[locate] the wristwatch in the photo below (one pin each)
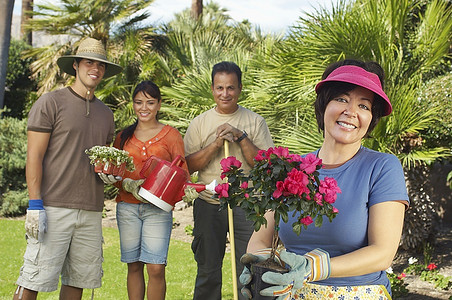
(244, 135)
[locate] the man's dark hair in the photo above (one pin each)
(229, 68)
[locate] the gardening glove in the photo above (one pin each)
(190, 194)
(251, 258)
(36, 220)
(133, 186)
(313, 266)
(108, 178)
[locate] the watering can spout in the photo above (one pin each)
(211, 186)
(201, 187)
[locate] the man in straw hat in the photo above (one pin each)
(64, 219)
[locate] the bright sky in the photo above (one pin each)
(271, 15)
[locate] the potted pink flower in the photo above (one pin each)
(283, 183)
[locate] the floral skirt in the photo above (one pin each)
(363, 292)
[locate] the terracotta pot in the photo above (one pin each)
(257, 284)
(98, 167)
(119, 170)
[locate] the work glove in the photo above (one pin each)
(313, 266)
(108, 178)
(190, 194)
(133, 186)
(36, 220)
(251, 258)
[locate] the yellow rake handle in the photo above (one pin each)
(231, 235)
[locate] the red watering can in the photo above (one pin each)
(165, 184)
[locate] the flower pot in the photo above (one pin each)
(257, 270)
(119, 170)
(108, 168)
(98, 167)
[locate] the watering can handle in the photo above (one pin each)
(177, 161)
(146, 166)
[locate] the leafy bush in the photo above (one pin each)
(13, 146)
(19, 85)
(438, 93)
(14, 202)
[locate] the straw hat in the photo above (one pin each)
(93, 49)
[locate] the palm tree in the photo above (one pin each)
(6, 15)
(194, 46)
(196, 8)
(27, 8)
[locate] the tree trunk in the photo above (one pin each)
(26, 35)
(196, 8)
(6, 16)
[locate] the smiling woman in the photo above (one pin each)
(360, 243)
(348, 116)
(145, 229)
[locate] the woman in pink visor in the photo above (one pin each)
(347, 258)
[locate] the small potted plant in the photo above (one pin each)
(110, 160)
(283, 183)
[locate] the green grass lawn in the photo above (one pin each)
(180, 272)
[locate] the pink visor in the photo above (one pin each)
(358, 76)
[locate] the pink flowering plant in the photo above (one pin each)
(280, 182)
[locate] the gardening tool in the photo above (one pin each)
(166, 181)
(231, 235)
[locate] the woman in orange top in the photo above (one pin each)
(145, 229)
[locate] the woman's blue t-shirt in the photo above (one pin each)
(370, 177)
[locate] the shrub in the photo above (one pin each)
(13, 146)
(19, 85)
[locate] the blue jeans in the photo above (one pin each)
(144, 232)
(209, 244)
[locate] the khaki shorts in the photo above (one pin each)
(72, 248)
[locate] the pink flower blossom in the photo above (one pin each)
(403, 275)
(281, 151)
(261, 155)
(296, 182)
(328, 187)
(294, 157)
(227, 163)
(335, 210)
(319, 198)
(247, 195)
(222, 190)
(244, 185)
(309, 163)
(279, 189)
(306, 220)
(432, 266)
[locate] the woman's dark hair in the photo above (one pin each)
(333, 89)
(149, 89)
